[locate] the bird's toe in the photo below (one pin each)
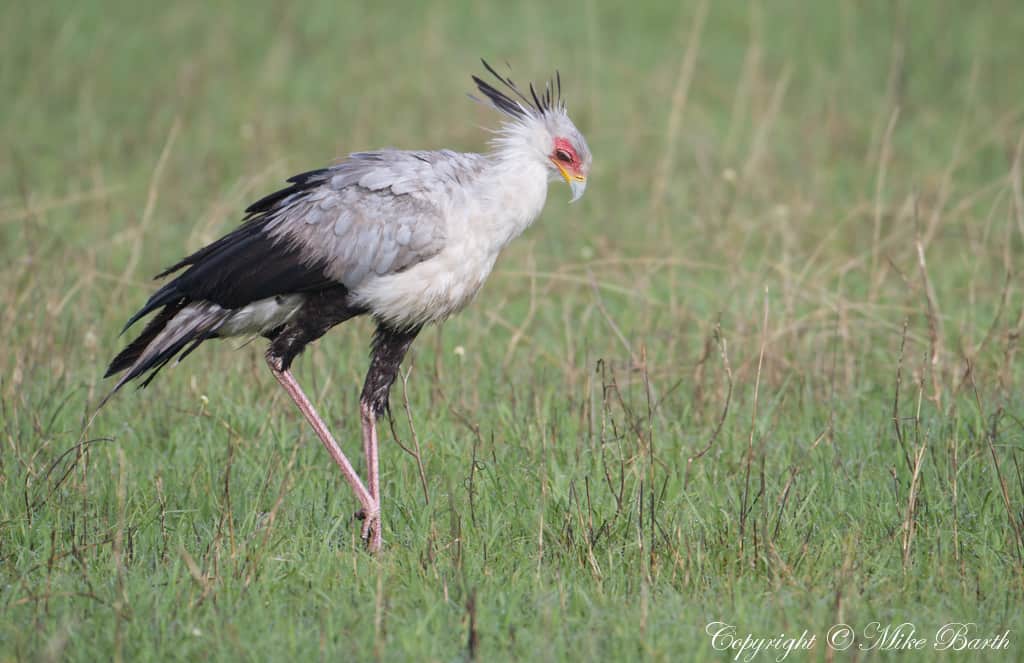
(371, 529)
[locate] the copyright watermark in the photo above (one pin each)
(874, 636)
(746, 647)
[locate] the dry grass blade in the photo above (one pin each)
(724, 352)
(677, 106)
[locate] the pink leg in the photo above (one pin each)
(371, 530)
(371, 508)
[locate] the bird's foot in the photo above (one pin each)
(371, 533)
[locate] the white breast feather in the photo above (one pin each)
(492, 212)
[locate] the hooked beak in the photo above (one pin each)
(578, 186)
(578, 183)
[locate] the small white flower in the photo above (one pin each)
(460, 351)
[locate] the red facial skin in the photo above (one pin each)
(571, 165)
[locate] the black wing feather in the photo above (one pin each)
(247, 264)
(257, 215)
(250, 267)
(301, 182)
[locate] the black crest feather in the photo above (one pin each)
(517, 104)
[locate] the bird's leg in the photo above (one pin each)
(389, 348)
(370, 506)
(370, 446)
(371, 528)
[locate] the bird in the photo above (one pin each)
(407, 237)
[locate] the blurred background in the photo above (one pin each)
(784, 145)
(802, 216)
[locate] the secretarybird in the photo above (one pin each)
(407, 237)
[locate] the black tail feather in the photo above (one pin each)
(141, 356)
(245, 266)
(134, 350)
(196, 342)
(166, 296)
(159, 361)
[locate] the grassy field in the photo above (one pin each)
(765, 373)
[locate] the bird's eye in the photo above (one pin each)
(564, 156)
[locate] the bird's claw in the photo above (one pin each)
(370, 533)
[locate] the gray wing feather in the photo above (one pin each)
(375, 213)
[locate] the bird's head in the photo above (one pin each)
(540, 129)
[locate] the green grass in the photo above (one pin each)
(700, 394)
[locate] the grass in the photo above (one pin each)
(766, 372)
